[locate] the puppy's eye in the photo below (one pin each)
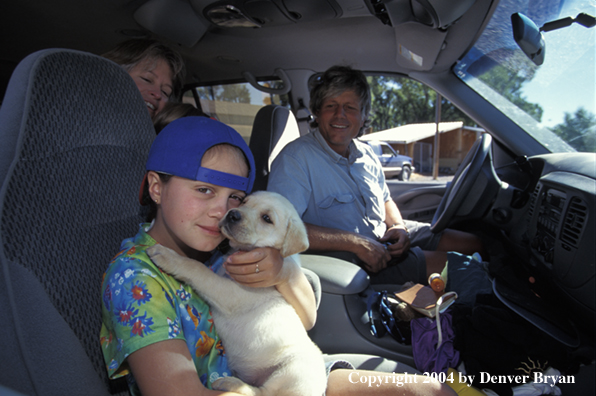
(267, 219)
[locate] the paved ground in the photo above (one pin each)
(419, 177)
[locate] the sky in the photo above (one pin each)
(566, 80)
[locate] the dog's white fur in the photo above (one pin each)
(265, 341)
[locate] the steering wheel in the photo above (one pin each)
(470, 192)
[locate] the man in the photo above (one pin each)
(337, 185)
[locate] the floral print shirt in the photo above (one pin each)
(142, 305)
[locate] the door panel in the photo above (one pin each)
(417, 200)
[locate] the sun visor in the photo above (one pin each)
(438, 14)
(174, 20)
(418, 45)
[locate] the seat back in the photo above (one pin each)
(274, 127)
(74, 136)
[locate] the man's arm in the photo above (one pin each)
(290, 178)
(372, 253)
(397, 233)
(392, 214)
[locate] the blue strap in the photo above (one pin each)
(222, 179)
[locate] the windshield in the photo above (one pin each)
(553, 102)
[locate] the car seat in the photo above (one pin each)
(74, 136)
(273, 127)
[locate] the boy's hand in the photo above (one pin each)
(242, 267)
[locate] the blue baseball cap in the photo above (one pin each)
(179, 148)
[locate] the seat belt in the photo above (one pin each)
(306, 117)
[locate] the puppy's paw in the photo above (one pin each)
(164, 258)
(233, 384)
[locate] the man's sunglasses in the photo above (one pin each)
(381, 318)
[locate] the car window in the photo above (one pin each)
(555, 102)
(398, 101)
(386, 150)
(403, 115)
(234, 104)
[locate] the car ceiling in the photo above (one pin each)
(329, 32)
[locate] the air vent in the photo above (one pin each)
(575, 219)
(533, 200)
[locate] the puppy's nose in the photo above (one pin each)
(233, 216)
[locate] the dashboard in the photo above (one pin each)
(554, 234)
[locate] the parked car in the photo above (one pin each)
(527, 187)
(394, 164)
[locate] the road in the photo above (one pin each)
(419, 177)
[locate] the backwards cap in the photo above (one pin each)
(179, 148)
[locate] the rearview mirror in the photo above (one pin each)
(528, 37)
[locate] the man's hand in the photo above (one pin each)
(374, 254)
(397, 240)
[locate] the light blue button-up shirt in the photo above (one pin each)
(332, 191)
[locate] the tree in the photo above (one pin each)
(399, 101)
(282, 100)
(235, 93)
(383, 102)
(509, 83)
(579, 130)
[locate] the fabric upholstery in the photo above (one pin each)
(315, 283)
(74, 135)
(273, 127)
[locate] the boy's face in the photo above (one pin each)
(189, 211)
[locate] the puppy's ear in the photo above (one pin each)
(296, 239)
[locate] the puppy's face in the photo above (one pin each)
(265, 219)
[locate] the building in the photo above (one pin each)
(417, 141)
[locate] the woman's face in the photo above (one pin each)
(154, 80)
(189, 211)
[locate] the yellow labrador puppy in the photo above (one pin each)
(267, 347)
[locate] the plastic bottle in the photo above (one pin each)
(436, 282)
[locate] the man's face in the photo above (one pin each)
(340, 120)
